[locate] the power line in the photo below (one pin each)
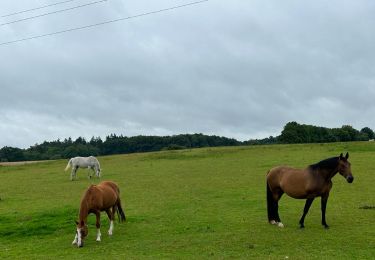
(55, 12)
(102, 23)
(37, 8)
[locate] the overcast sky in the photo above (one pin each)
(235, 68)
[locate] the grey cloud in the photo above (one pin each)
(236, 68)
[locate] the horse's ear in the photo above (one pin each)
(347, 155)
(341, 156)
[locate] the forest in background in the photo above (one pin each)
(119, 144)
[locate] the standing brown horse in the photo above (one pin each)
(314, 181)
(102, 197)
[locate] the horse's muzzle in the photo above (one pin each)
(350, 179)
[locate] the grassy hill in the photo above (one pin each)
(190, 204)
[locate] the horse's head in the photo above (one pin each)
(344, 168)
(81, 233)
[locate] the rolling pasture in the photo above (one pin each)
(191, 204)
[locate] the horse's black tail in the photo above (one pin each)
(270, 203)
(120, 212)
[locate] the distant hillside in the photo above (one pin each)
(114, 144)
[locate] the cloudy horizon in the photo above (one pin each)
(239, 69)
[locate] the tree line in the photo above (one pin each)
(294, 133)
(114, 144)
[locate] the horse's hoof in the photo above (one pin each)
(280, 225)
(273, 222)
(326, 226)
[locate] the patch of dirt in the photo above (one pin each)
(17, 163)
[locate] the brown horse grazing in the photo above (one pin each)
(314, 181)
(102, 197)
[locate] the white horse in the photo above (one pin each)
(83, 162)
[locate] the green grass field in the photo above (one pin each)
(191, 204)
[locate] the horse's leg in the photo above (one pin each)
(111, 216)
(75, 241)
(73, 172)
(89, 172)
(305, 210)
(98, 234)
(270, 205)
(276, 208)
(324, 200)
(273, 206)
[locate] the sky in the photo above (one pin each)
(239, 68)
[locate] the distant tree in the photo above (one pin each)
(292, 133)
(79, 150)
(11, 154)
(80, 140)
(351, 132)
(96, 141)
(296, 133)
(369, 132)
(269, 140)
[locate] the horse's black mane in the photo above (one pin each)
(329, 163)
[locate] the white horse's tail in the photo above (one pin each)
(68, 165)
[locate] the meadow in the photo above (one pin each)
(191, 204)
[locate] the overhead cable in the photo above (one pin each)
(55, 12)
(103, 23)
(37, 8)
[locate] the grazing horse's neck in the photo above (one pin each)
(83, 212)
(85, 206)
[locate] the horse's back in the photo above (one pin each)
(92, 159)
(276, 174)
(110, 192)
(109, 184)
(85, 161)
(79, 161)
(290, 180)
(102, 196)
